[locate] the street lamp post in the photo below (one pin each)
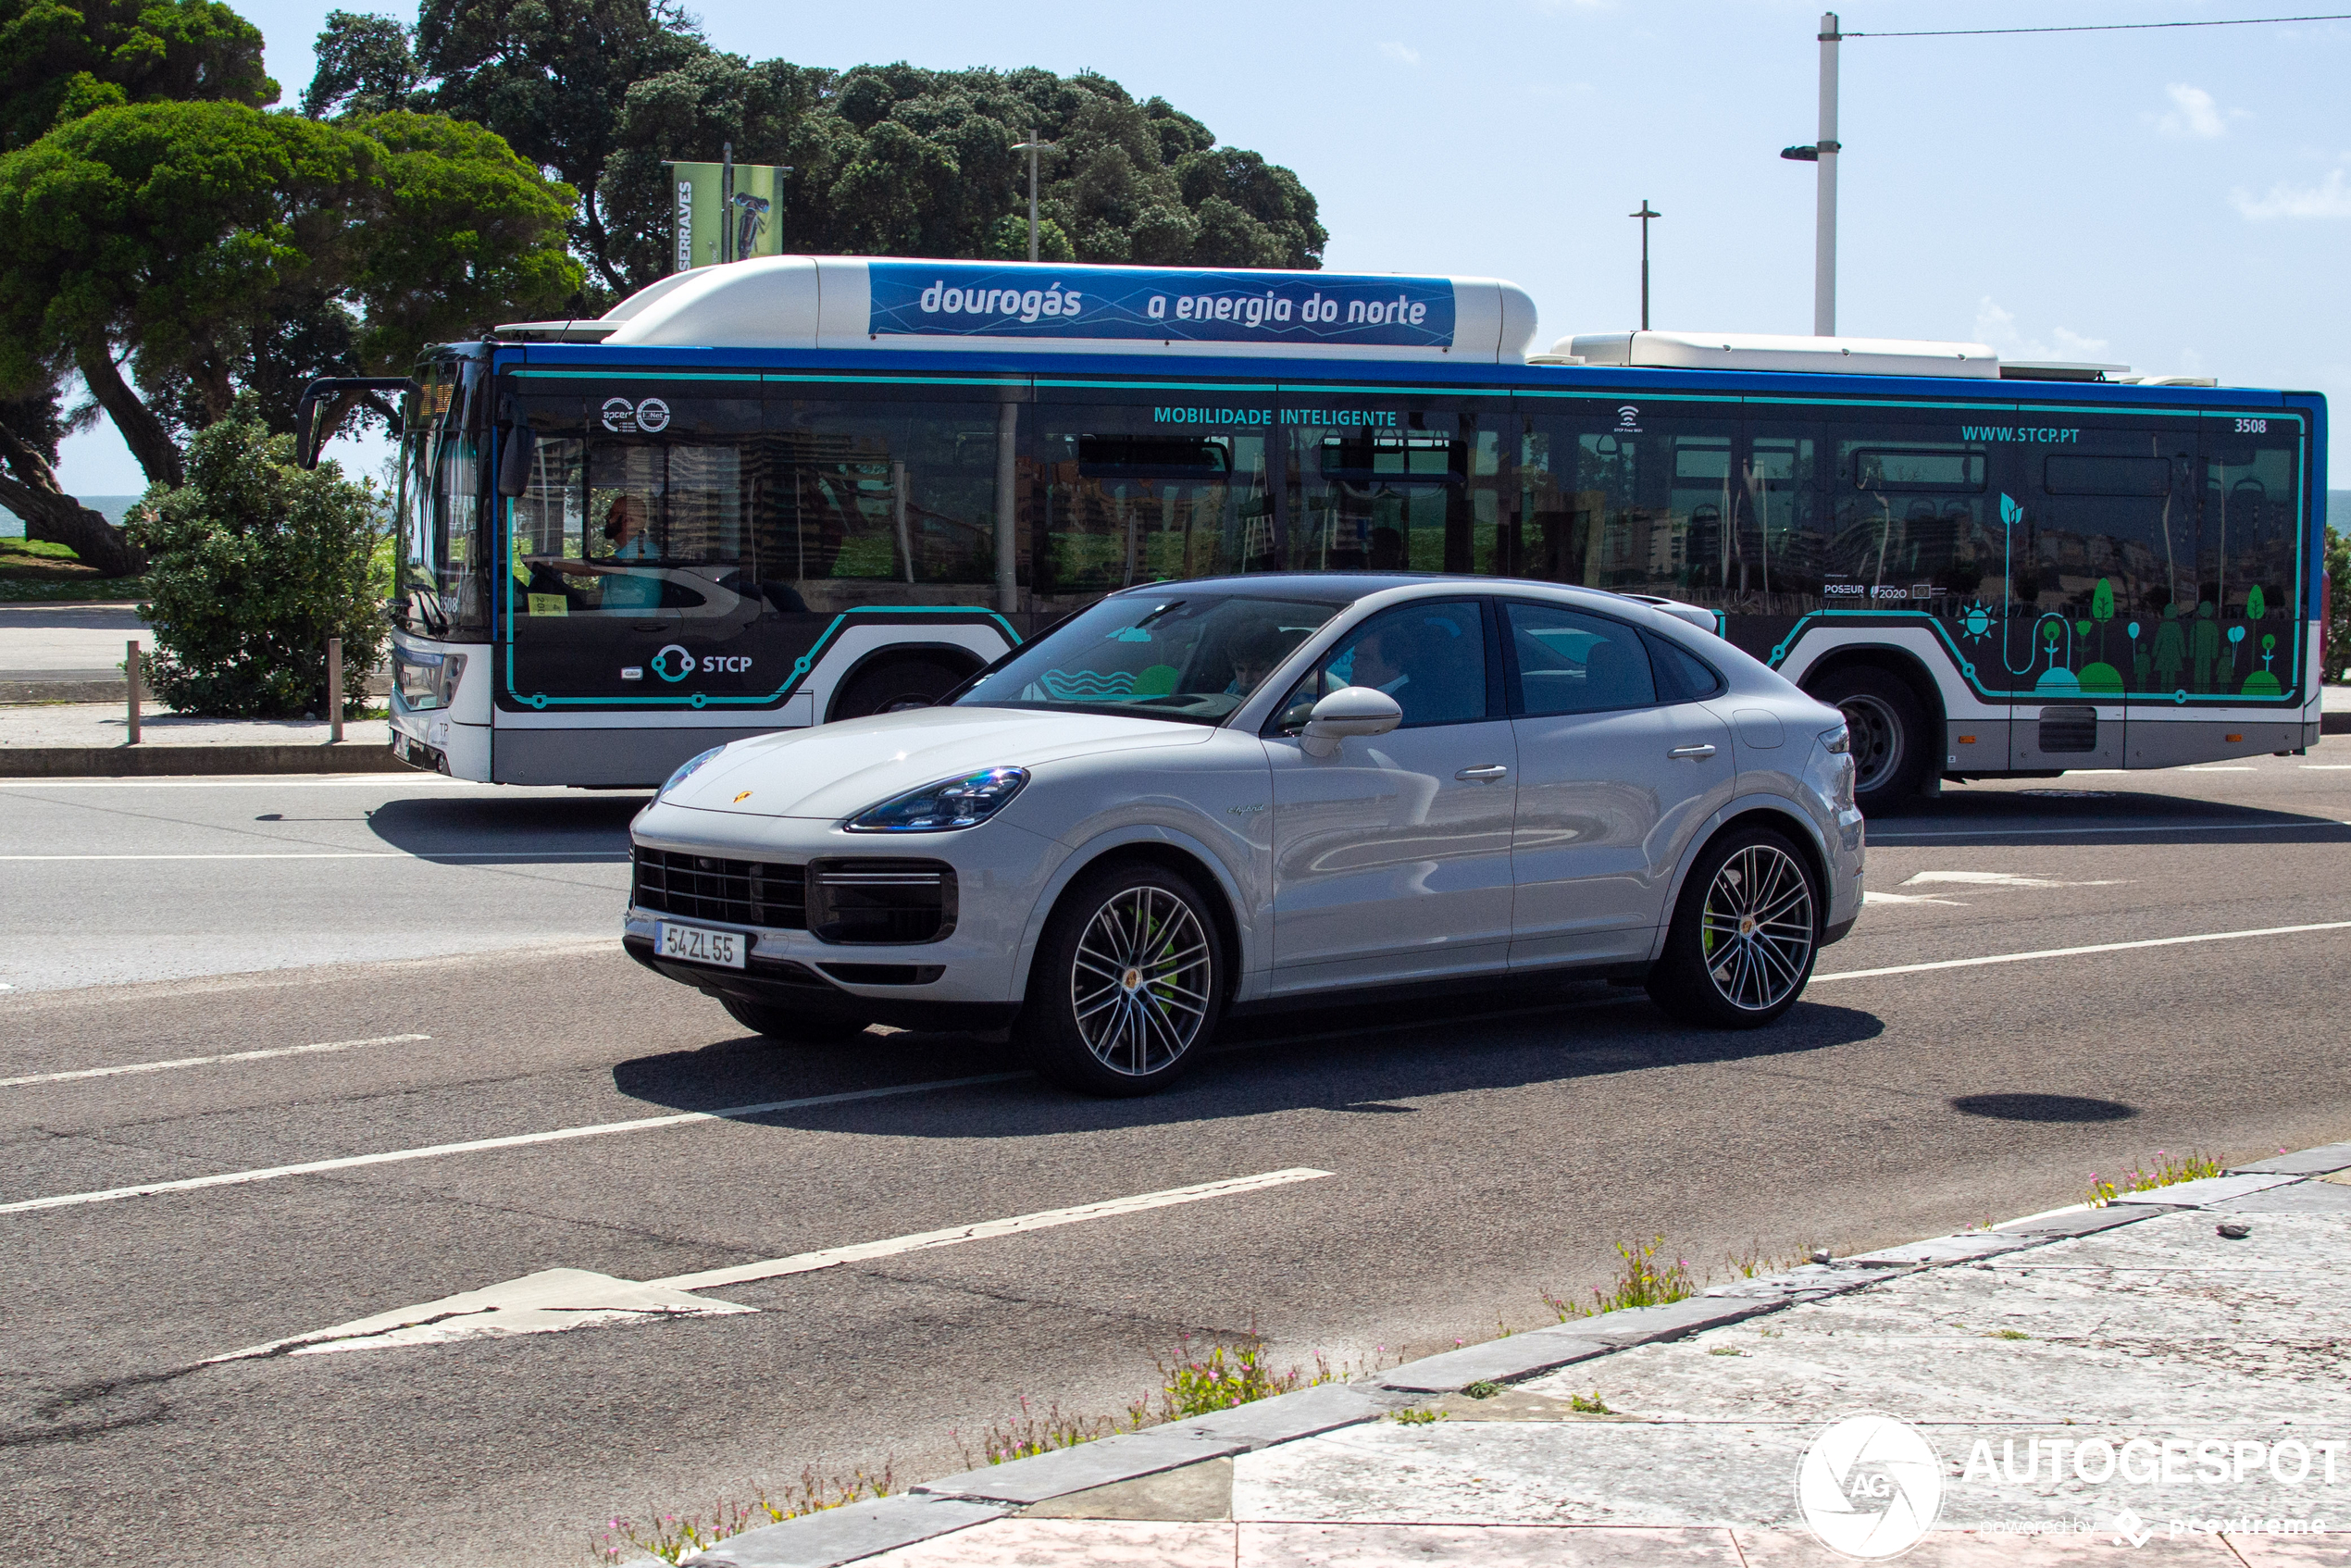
(1645, 214)
(1032, 146)
(1823, 154)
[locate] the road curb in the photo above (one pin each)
(151, 760)
(936, 1507)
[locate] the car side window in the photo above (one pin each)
(1572, 663)
(1430, 656)
(1682, 676)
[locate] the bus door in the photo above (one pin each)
(634, 582)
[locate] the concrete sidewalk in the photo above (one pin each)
(2135, 1381)
(83, 739)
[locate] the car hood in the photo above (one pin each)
(836, 770)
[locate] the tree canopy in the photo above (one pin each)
(60, 60)
(885, 159)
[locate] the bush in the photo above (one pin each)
(253, 565)
(2338, 635)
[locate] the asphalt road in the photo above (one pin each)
(1479, 1156)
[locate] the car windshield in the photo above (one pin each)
(1190, 657)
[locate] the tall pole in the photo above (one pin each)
(1645, 214)
(1825, 234)
(1032, 192)
(726, 202)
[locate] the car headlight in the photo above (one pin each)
(685, 769)
(938, 808)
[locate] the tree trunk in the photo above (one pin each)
(54, 518)
(142, 432)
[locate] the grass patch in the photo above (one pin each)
(1419, 1418)
(1725, 1350)
(1484, 1389)
(670, 1536)
(2162, 1171)
(1588, 1404)
(2007, 1334)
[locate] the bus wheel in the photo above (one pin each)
(1891, 747)
(790, 1025)
(900, 683)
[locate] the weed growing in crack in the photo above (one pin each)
(1588, 1404)
(1641, 1281)
(670, 1536)
(1030, 1434)
(1419, 1418)
(2164, 1171)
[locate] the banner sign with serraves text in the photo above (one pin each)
(704, 215)
(980, 300)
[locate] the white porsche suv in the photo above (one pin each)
(1214, 795)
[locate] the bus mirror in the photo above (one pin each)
(514, 465)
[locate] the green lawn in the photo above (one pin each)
(29, 569)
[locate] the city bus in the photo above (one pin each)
(797, 489)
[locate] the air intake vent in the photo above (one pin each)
(2069, 729)
(701, 887)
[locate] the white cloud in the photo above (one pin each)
(1997, 328)
(1401, 55)
(2328, 198)
(2195, 114)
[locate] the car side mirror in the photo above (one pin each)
(1350, 710)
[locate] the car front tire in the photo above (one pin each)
(1128, 982)
(1745, 933)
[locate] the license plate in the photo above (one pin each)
(699, 944)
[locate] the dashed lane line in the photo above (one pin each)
(480, 1145)
(2077, 951)
(1992, 830)
(206, 1061)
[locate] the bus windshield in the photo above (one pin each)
(1192, 656)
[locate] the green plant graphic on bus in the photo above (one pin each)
(2262, 682)
(2102, 677)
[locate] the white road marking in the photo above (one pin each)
(2222, 768)
(1989, 831)
(2326, 768)
(205, 1061)
(803, 1263)
(514, 1141)
(613, 855)
(2000, 880)
(2080, 952)
(1873, 897)
(290, 781)
(554, 1300)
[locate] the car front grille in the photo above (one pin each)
(703, 887)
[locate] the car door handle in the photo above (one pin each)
(1695, 753)
(1490, 770)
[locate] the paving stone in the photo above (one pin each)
(1203, 1492)
(2301, 1197)
(2306, 1162)
(1486, 1546)
(1031, 1542)
(1288, 1416)
(1082, 1468)
(1497, 1361)
(844, 1535)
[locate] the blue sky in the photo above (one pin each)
(2177, 201)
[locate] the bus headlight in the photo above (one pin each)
(945, 806)
(685, 769)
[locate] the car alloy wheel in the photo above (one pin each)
(1141, 980)
(1756, 927)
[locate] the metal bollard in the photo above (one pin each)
(334, 690)
(131, 679)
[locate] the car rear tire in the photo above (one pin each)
(896, 686)
(1744, 936)
(1128, 982)
(1893, 753)
(791, 1025)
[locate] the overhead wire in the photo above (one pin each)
(2100, 27)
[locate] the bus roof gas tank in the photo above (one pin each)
(1760, 351)
(886, 302)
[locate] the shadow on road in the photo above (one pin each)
(464, 829)
(1364, 1060)
(2071, 1108)
(2062, 813)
